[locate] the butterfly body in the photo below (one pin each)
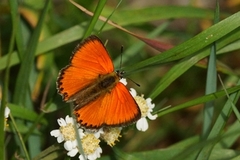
(91, 83)
(99, 87)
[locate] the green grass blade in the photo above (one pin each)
(53, 152)
(211, 84)
(22, 84)
(25, 114)
(229, 141)
(159, 12)
(19, 138)
(197, 101)
(231, 47)
(130, 52)
(193, 45)
(22, 87)
(219, 124)
(3, 102)
(19, 34)
(104, 24)
(94, 19)
(211, 87)
(178, 69)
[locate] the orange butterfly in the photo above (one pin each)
(92, 84)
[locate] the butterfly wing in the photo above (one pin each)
(89, 60)
(116, 108)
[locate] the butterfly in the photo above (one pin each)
(91, 83)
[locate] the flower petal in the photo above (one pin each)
(55, 133)
(123, 81)
(149, 103)
(96, 154)
(152, 117)
(74, 143)
(6, 112)
(61, 122)
(98, 133)
(80, 133)
(68, 145)
(133, 92)
(60, 138)
(69, 119)
(142, 124)
(81, 157)
(73, 152)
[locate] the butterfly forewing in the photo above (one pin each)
(89, 60)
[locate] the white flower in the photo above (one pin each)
(146, 108)
(90, 144)
(66, 133)
(92, 156)
(111, 135)
(89, 140)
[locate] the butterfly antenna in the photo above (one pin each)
(134, 82)
(123, 71)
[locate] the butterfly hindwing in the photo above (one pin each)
(116, 108)
(122, 108)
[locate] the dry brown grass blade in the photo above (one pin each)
(153, 43)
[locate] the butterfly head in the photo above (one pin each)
(120, 73)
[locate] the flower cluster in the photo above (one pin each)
(89, 147)
(89, 140)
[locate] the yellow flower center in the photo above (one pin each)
(68, 132)
(90, 143)
(142, 105)
(111, 135)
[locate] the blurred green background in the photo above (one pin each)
(169, 22)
